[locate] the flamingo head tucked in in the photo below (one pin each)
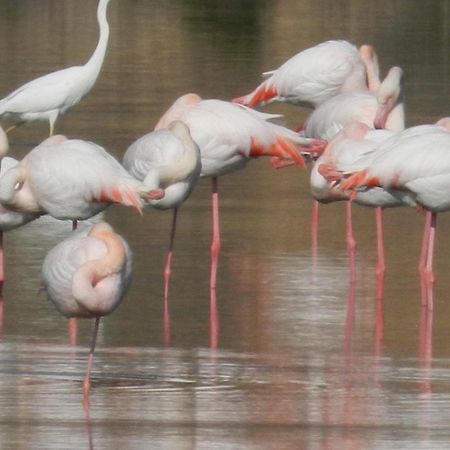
(100, 284)
(15, 192)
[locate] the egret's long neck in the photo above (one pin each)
(96, 60)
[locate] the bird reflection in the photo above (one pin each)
(213, 320)
(2, 302)
(88, 423)
(426, 348)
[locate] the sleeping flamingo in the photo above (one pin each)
(354, 147)
(9, 219)
(69, 179)
(87, 275)
(380, 108)
(316, 74)
(228, 136)
(415, 166)
(48, 96)
(167, 160)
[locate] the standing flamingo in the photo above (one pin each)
(380, 108)
(228, 136)
(87, 275)
(354, 147)
(69, 179)
(167, 160)
(414, 164)
(48, 96)
(317, 74)
(9, 219)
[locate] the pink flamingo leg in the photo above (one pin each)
(423, 257)
(72, 321)
(87, 378)
(215, 250)
(379, 329)
(349, 321)
(2, 303)
(429, 265)
(350, 240)
(72, 330)
(426, 347)
(314, 228)
(381, 264)
(167, 272)
(215, 244)
(380, 272)
(167, 268)
(213, 321)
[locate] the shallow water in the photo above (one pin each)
(295, 356)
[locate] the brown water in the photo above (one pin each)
(299, 360)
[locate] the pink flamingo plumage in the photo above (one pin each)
(229, 135)
(415, 166)
(316, 74)
(381, 107)
(354, 147)
(87, 275)
(70, 179)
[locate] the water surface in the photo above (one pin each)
(296, 358)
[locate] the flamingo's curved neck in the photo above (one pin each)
(190, 160)
(113, 261)
(92, 272)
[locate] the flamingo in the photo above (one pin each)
(70, 179)
(50, 95)
(316, 74)
(86, 276)
(9, 219)
(228, 136)
(414, 165)
(167, 160)
(381, 107)
(354, 147)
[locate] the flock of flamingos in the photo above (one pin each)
(354, 138)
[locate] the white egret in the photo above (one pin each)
(46, 97)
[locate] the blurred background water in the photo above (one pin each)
(300, 359)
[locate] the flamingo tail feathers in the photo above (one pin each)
(359, 179)
(263, 93)
(282, 148)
